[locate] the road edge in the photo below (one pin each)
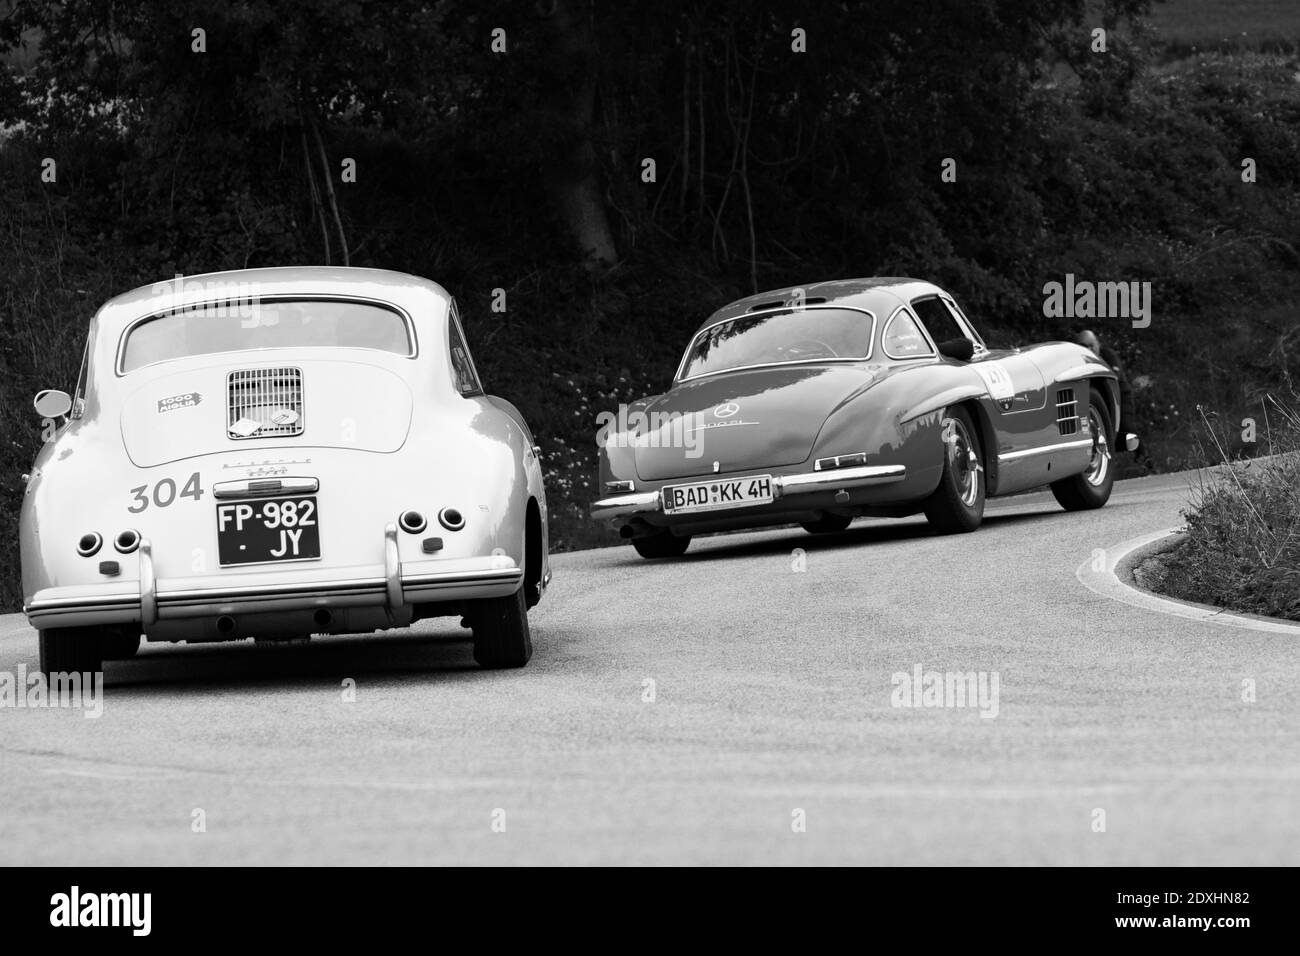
(1114, 579)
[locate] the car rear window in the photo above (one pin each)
(265, 324)
(788, 337)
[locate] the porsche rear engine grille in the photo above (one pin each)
(264, 402)
(1067, 412)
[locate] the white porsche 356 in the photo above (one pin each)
(277, 453)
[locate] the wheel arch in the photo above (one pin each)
(987, 434)
(533, 553)
(1109, 387)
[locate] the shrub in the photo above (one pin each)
(1242, 545)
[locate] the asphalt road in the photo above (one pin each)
(772, 694)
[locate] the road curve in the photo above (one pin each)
(771, 736)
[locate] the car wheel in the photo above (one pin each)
(662, 545)
(1091, 489)
(71, 649)
(957, 505)
(120, 645)
(827, 524)
(501, 635)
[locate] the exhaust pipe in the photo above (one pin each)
(225, 624)
(636, 529)
(323, 618)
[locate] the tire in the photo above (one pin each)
(120, 645)
(957, 505)
(501, 635)
(1091, 489)
(827, 524)
(71, 649)
(665, 544)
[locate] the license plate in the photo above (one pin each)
(267, 529)
(718, 495)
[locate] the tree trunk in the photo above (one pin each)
(573, 178)
(328, 180)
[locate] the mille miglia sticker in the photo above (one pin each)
(188, 400)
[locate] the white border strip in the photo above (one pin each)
(1108, 583)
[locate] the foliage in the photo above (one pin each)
(1241, 549)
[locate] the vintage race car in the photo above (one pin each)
(875, 397)
(276, 453)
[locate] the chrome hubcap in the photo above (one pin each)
(963, 462)
(1099, 466)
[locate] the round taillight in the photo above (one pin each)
(451, 519)
(412, 522)
(127, 541)
(89, 544)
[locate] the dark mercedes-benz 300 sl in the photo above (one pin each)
(863, 397)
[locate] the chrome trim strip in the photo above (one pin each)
(347, 589)
(639, 503)
(148, 585)
(340, 587)
(972, 333)
(1045, 449)
(246, 489)
(858, 477)
(502, 580)
(112, 602)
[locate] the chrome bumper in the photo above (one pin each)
(783, 486)
(393, 584)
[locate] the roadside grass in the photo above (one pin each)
(1241, 550)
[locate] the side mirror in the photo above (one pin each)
(51, 403)
(960, 349)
